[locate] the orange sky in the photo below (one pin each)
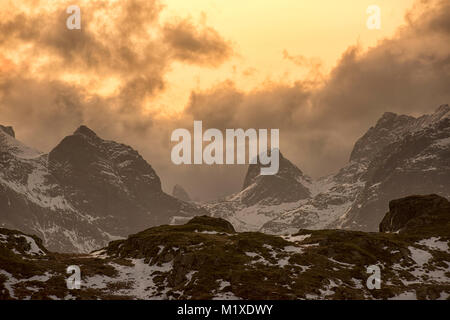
(258, 32)
(261, 30)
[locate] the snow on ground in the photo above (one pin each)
(100, 254)
(435, 244)
(292, 249)
(254, 217)
(420, 256)
(220, 295)
(17, 148)
(409, 295)
(207, 232)
(298, 238)
(139, 277)
(11, 281)
(177, 220)
(3, 238)
(328, 289)
(34, 248)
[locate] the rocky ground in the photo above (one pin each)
(206, 259)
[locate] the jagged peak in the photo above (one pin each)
(388, 115)
(8, 130)
(286, 168)
(392, 119)
(85, 131)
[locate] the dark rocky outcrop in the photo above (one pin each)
(219, 224)
(415, 212)
(9, 130)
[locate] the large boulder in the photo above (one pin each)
(415, 211)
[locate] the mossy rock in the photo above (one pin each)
(218, 223)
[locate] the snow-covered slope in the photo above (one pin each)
(84, 193)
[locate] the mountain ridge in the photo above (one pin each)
(355, 197)
(83, 193)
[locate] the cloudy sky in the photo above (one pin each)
(138, 69)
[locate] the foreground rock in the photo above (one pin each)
(416, 212)
(206, 259)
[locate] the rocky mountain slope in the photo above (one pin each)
(207, 259)
(84, 193)
(263, 197)
(399, 156)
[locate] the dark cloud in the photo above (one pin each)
(204, 46)
(121, 39)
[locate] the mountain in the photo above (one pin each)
(263, 197)
(207, 259)
(88, 191)
(401, 155)
(83, 193)
(413, 160)
(285, 186)
(179, 193)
